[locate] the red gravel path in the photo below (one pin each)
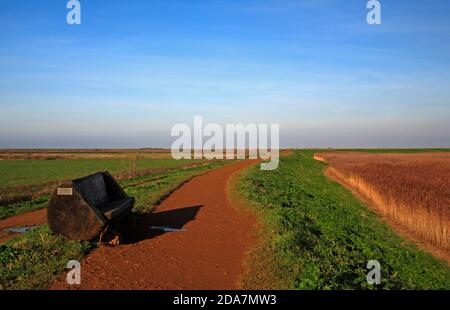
(208, 255)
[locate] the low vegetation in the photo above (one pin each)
(33, 260)
(318, 236)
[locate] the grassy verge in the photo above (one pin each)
(321, 237)
(35, 259)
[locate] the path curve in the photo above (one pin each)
(208, 254)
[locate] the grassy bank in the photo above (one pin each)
(34, 260)
(320, 237)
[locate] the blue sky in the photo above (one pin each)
(132, 69)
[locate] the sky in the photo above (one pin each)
(133, 69)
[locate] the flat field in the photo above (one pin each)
(18, 172)
(25, 184)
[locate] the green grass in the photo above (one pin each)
(321, 237)
(38, 257)
(35, 259)
(23, 207)
(27, 172)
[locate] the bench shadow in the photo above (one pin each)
(173, 218)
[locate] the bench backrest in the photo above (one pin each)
(93, 189)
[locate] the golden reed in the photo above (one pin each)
(412, 190)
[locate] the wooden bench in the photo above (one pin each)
(83, 208)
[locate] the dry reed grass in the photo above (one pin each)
(412, 190)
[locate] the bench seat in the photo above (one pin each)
(112, 209)
(81, 209)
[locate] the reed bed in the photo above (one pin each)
(412, 190)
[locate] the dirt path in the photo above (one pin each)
(208, 254)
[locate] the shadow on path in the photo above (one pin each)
(173, 219)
